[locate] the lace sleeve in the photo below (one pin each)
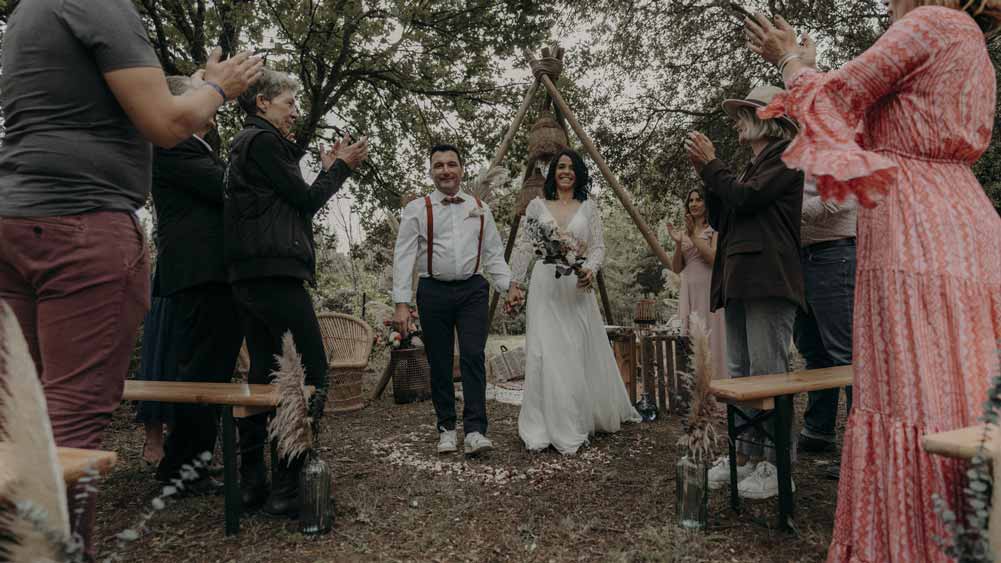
(523, 252)
(596, 239)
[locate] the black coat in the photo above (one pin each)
(757, 216)
(269, 207)
(187, 196)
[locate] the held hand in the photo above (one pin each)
(585, 278)
(234, 74)
(675, 233)
(514, 301)
(401, 319)
(700, 150)
(771, 41)
(354, 154)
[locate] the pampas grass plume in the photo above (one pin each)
(30, 475)
(291, 425)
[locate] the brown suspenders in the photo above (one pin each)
(430, 216)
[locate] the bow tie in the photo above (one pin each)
(451, 200)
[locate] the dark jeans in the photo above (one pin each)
(823, 333)
(79, 286)
(444, 308)
(207, 339)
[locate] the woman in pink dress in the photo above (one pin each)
(694, 253)
(928, 295)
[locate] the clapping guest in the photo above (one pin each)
(204, 335)
(83, 95)
(270, 255)
(756, 275)
(898, 128)
(694, 256)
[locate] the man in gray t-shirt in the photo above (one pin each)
(69, 147)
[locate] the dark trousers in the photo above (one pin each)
(206, 342)
(444, 308)
(823, 333)
(270, 307)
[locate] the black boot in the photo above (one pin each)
(253, 473)
(284, 498)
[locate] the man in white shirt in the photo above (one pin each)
(451, 236)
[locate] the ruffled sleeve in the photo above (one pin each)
(830, 106)
(523, 251)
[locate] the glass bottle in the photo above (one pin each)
(692, 487)
(316, 505)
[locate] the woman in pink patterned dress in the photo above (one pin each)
(928, 295)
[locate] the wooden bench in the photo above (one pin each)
(772, 394)
(965, 443)
(75, 462)
(238, 400)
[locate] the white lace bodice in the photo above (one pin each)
(585, 225)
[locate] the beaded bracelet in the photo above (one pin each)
(217, 88)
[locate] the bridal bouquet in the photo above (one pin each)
(555, 246)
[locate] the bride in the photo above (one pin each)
(572, 383)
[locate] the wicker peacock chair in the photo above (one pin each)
(348, 342)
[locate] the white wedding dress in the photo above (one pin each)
(572, 383)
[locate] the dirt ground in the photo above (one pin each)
(398, 501)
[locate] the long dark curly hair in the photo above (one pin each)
(582, 183)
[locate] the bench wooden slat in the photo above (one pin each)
(235, 394)
(962, 443)
(761, 388)
(75, 462)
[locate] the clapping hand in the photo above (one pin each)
(675, 233)
(234, 74)
(689, 225)
(700, 150)
(352, 154)
(777, 41)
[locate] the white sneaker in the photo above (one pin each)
(477, 443)
(446, 442)
(762, 484)
(719, 473)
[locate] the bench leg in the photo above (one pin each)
(230, 482)
(731, 432)
(781, 420)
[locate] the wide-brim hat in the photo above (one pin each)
(759, 97)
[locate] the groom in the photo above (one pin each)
(451, 236)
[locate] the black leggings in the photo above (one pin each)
(270, 307)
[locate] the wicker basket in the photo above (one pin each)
(546, 138)
(411, 375)
(646, 312)
(531, 188)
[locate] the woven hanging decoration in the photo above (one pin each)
(530, 189)
(546, 138)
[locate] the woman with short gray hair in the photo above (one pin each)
(756, 275)
(268, 213)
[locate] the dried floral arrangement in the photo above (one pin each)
(292, 427)
(700, 438)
